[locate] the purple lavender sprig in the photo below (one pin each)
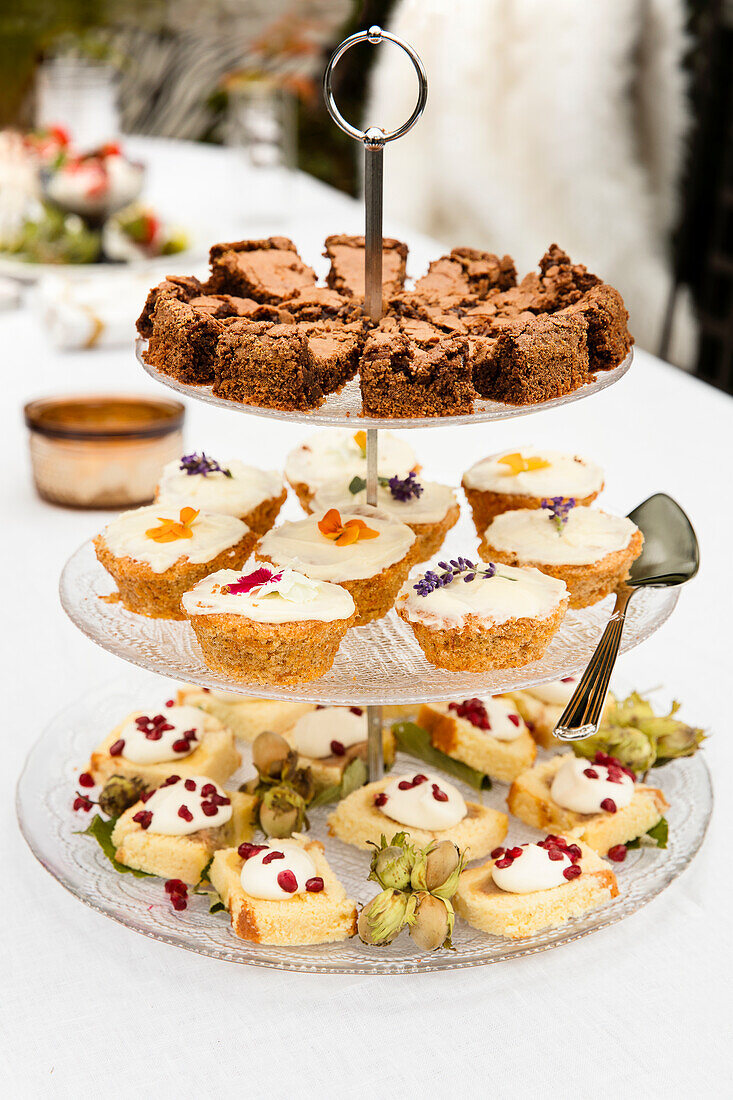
(201, 464)
(559, 508)
(405, 488)
(460, 567)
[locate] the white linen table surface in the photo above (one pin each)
(88, 1008)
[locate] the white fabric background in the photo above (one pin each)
(88, 1008)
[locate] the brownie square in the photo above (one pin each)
(533, 361)
(347, 265)
(266, 365)
(267, 270)
(561, 282)
(401, 378)
(333, 352)
(438, 313)
(181, 287)
(320, 303)
(609, 339)
(466, 273)
(183, 341)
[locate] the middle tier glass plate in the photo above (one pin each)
(378, 663)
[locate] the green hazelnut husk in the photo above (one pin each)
(392, 863)
(674, 739)
(383, 918)
(272, 755)
(282, 812)
(630, 746)
(119, 793)
(432, 925)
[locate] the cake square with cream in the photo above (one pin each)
(487, 734)
(244, 715)
(327, 739)
(542, 706)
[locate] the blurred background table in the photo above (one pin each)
(115, 1006)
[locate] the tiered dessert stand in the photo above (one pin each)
(377, 664)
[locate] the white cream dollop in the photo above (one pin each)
(505, 724)
(237, 495)
(531, 535)
(211, 534)
(142, 746)
(573, 789)
(259, 878)
(165, 804)
(292, 598)
(532, 870)
(557, 693)
(563, 476)
(418, 806)
(326, 455)
(313, 733)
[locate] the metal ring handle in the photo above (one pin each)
(375, 35)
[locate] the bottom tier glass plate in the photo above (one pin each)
(378, 663)
(44, 799)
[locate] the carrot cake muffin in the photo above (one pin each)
(346, 274)
(524, 478)
(175, 740)
(335, 454)
(428, 509)
(362, 549)
(590, 550)
(267, 627)
(327, 739)
(244, 715)
(233, 489)
(474, 618)
(283, 892)
(174, 831)
(155, 554)
(542, 706)
(487, 734)
(426, 806)
(533, 886)
(599, 800)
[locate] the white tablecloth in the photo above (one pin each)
(89, 1008)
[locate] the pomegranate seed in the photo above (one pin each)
(568, 680)
(405, 785)
(591, 773)
(573, 871)
(473, 711)
(153, 734)
(185, 813)
(170, 702)
(190, 735)
(574, 852)
(286, 881)
(555, 839)
(175, 886)
(314, 885)
(497, 853)
(337, 748)
(380, 799)
(146, 795)
(271, 856)
(82, 803)
(246, 850)
(143, 818)
(163, 727)
(143, 720)
(505, 862)
(515, 853)
(207, 790)
(190, 785)
(158, 719)
(181, 745)
(438, 795)
(555, 854)
(86, 780)
(178, 902)
(210, 808)
(358, 712)
(171, 780)
(609, 805)
(418, 779)
(617, 853)
(206, 690)
(514, 718)
(614, 777)
(117, 747)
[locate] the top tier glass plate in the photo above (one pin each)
(344, 408)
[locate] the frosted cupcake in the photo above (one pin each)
(428, 508)
(155, 554)
(232, 489)
(330, 455)
(591, 551)
(363, 550)
(469, 618)
(268, 627)
(524, 478)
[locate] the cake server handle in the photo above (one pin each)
(582, 714)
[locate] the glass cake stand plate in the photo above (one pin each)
(344, 408)
(378, 663)
(51, 828)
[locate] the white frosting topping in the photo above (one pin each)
(211, 535)
(557, 693)
(505, 724)
(292, 598)
(430, 507)
(302, 546)
(577, 788)
(336, 454)
(532, 535)
(215, 492)
(172, 805)
(566, 475)
(152, 741)
(532, 870)
(417, 805)
(260, 879)
(512, 593)
(313, 733)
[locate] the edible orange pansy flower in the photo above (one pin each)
(518, 464)
(171, 529)
(360, 440)
(344, 534)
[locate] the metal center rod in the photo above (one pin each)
(373, 182)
